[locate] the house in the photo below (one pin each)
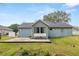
(41, 29)
(6, 31)
(75, 30)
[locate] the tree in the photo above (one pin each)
(57, 16)
(14, 27)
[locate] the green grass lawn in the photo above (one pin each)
(68, 46)
(6, 37)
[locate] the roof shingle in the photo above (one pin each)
(58, 24)
(50, 24)
(25, 25)
(5, 28)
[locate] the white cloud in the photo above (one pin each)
(70, 10)
(46, 10)
(71, 5)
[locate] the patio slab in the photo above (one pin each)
(26, 40)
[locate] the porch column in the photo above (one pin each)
(39, 29)
(32, 32)
(46, 31)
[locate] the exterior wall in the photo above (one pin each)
(75, 32)
(67, 32)
(11, 34)
(4, 32)
(57, 32)
(25, 32)
(40, 24)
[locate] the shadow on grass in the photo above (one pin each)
(55, 38)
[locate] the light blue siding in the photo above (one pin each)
(25, 32)
(59, 32)
(67, 32)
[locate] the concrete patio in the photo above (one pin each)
(26, 40)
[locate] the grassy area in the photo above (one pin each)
(5, 37)
(59, 46)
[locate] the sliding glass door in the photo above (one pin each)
(39, 30)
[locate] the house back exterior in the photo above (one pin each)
(41, 29)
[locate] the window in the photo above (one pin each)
(62, 30)
(42, 30)
(39, 30)
(36, 30)
(50, 28)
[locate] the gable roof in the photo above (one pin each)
(25, 25)
(59, 24)
(49, 24)
(40, 21)
(5, 28)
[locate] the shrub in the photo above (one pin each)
(21, 48)
(47, 54)
(34, 54)
(25, 53)
(37, 52)
(22, 52)
(40, 53)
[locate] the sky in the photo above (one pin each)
(13, 13)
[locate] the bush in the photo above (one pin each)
(47, 54)
(34, 54)
(37, 52)
(25, 53)
(22, 52)
(40, 53)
